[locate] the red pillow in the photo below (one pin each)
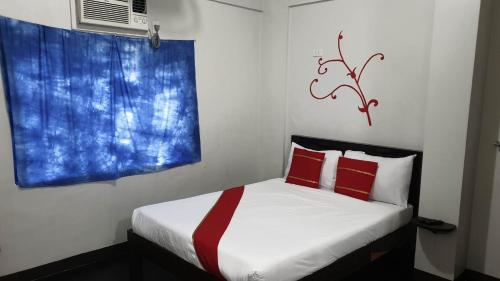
(306, 167)
(355, 177)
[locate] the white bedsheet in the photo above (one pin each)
(279, 231)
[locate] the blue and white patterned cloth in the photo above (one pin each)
(88, 107)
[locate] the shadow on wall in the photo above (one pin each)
(485, 195)
(485, 185)
(121, 230)
(485, 181)
(431, 246)
(176, 17)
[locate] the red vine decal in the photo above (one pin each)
(351, 72)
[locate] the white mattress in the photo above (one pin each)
(278, 232)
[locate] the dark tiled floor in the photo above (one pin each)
(118, 271)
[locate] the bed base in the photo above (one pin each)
(388, 258)
(392, 254)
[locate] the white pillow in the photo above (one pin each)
(392, 183)
(329, 169)
(353, 152)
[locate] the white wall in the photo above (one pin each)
(249, 4)
(274, 60)
(473, 132)
(401, 30)
(484, 245)
(39, 226)
(448, 104)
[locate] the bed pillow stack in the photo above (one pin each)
(328, 170)
(392, 182)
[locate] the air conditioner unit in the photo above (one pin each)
(131, 14)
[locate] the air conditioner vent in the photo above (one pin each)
(102, 11)
(130, 14)
(139, 6)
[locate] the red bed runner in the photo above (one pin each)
(207, 235)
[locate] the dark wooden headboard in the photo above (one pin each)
(325, 144)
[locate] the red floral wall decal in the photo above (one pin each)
(351, 72)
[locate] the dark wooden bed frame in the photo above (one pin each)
(391, 256)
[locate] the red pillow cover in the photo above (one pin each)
(306, 168)
(355, 177)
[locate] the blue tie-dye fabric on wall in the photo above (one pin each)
(88, 107)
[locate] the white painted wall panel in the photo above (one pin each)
(274, 60)
(447, 115)
(250, 4)
(401, 30)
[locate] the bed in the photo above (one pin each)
(366, 236)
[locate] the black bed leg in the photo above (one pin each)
(135, 266)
